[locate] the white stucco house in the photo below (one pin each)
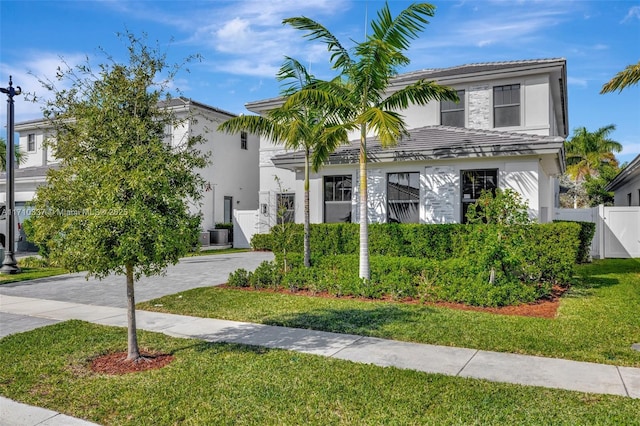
(508, 131)
(626, 185)
(231, 177)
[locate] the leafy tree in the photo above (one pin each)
(628, 77)
(310, 126)
(119, 202)
(588, 152)
(21, 157)
(363, 87)
(505, 207)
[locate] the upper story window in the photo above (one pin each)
(243, 140)
(506, 105)
(403, 197)
(31, 142)
(452, 113)
(629, 199)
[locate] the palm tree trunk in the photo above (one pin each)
(133, 352)
(364, 219)
(307, 230)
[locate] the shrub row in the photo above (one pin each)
(554, 242)
(488, 265)
(455, 280)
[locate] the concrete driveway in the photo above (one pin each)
(190, 272)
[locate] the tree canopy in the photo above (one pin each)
(363, 86)
(312, 127)
(119, 203)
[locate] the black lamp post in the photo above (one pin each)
(9, 265)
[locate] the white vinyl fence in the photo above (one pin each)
(617, 229)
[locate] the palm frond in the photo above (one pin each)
(294, 74)
(388, 126)
(405, 27)
(314, 31)
(419, 93)
(627, 77)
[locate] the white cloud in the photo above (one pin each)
(574, 81)
(630, 149)
(634, 13)
(247, 67)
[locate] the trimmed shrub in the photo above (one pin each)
(587, 231)
(262, 242)
(239, 278)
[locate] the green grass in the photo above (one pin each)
(598, 319)
(234, 384)
(32, 273)
(217, 251)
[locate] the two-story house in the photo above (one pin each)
(507, 131)
(231, 177)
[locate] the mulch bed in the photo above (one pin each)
(544, 308)
(116, 363)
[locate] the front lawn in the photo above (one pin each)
(597, 321)
(235, 384)
(31, 269)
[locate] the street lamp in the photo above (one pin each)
(9, 265)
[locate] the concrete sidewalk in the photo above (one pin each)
(462, 362)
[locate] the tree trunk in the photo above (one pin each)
(307, 230)
(364, 219)
(133, 352)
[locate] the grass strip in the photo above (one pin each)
(235, 384)
(597, 321)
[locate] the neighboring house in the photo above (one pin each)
(626, 186)
(508, 131)
(231, 177)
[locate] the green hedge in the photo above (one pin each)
(488, 265)
(587, 231)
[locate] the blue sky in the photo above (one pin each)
(243, 42)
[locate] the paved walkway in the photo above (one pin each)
(20, 312)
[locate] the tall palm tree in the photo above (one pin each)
(309, 126)
(588, 151)
(366, 74)
(20, 156)
(627, 77)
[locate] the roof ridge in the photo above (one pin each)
(483, 64)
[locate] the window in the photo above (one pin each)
(31, 142)
(286, 208)
(473, 183)
(629, 199)
(243, 140)
(403, 197)
(228, 209)
(506, 105)
(452, 113)
(337, 199)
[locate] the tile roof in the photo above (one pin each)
(481, 67)
(440, 142)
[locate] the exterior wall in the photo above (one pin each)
(440, 198)
(232, 171)
(631, 187)
(536, 106)
(41, 155)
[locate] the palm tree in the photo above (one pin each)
(20, 156)
(364, 82)
(627, 77)
(308, 126)
(588, 151)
